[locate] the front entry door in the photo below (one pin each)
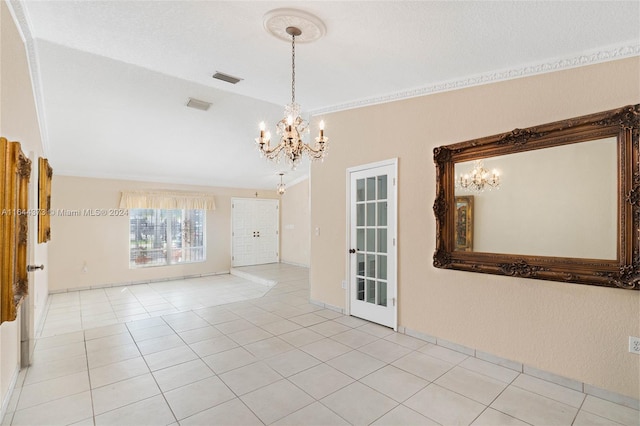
(255, 228)
(372, 213)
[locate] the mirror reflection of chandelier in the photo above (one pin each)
(479, 178)
(292, 127)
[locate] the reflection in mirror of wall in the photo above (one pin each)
(560, 201)
(567, 208)
(464, 223)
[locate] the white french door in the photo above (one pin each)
(372, 242)
(255, 229)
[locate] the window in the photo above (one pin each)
(166, 237)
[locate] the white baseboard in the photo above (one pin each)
(585, 388)
(327, 306)
(251, 277)
(9, 395)
(302, 265)
(155, 280)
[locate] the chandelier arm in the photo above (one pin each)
(314, 152)
(271, 152)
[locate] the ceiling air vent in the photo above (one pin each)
(226, 77)
(198, 104)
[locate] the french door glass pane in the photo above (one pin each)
(360, 294)
(371, 214)
(371, 265)
(360, 215)
(371, 188)
(360, 190)
(382, 213)
(382, 267)
(360, 239)
(382, 240)
(382, 187)
(371, 291)
(382, 293)
(360, 264)
(371, 240)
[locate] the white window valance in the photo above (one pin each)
(166, 200)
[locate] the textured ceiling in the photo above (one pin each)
(113, 77)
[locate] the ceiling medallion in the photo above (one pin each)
(277, 21)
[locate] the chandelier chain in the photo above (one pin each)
(292, 128)
(293, 69)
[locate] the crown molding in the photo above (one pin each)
(594, 57)
(297, 180)
(159, 179)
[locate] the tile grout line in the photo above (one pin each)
(354, 379)
(579, 409)
(151, 373)
(292, 303)
(202, 360)
(263, 360)
(214, 373)
(86, 354)
(498, 396)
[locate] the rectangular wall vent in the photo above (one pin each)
(198, 104)
(226, 77)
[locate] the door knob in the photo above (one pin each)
(31, 268)
(352, 251)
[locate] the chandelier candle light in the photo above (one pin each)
(292, 127)
(479, 179)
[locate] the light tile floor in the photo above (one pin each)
(225, 351)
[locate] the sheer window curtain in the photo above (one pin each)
(171, 200)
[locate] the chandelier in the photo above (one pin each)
(292, 127)
(281, 186)
(479, 179)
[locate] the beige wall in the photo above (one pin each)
(19, 122)
(294, 224)
(576, 331)
(101, 243)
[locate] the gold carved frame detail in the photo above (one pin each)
(623, 124)
(45, 173)
(15, 170)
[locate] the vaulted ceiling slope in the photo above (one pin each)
(112, 77)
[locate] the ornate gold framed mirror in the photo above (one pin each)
(15, 170)
(559, 201)
(45, 174)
